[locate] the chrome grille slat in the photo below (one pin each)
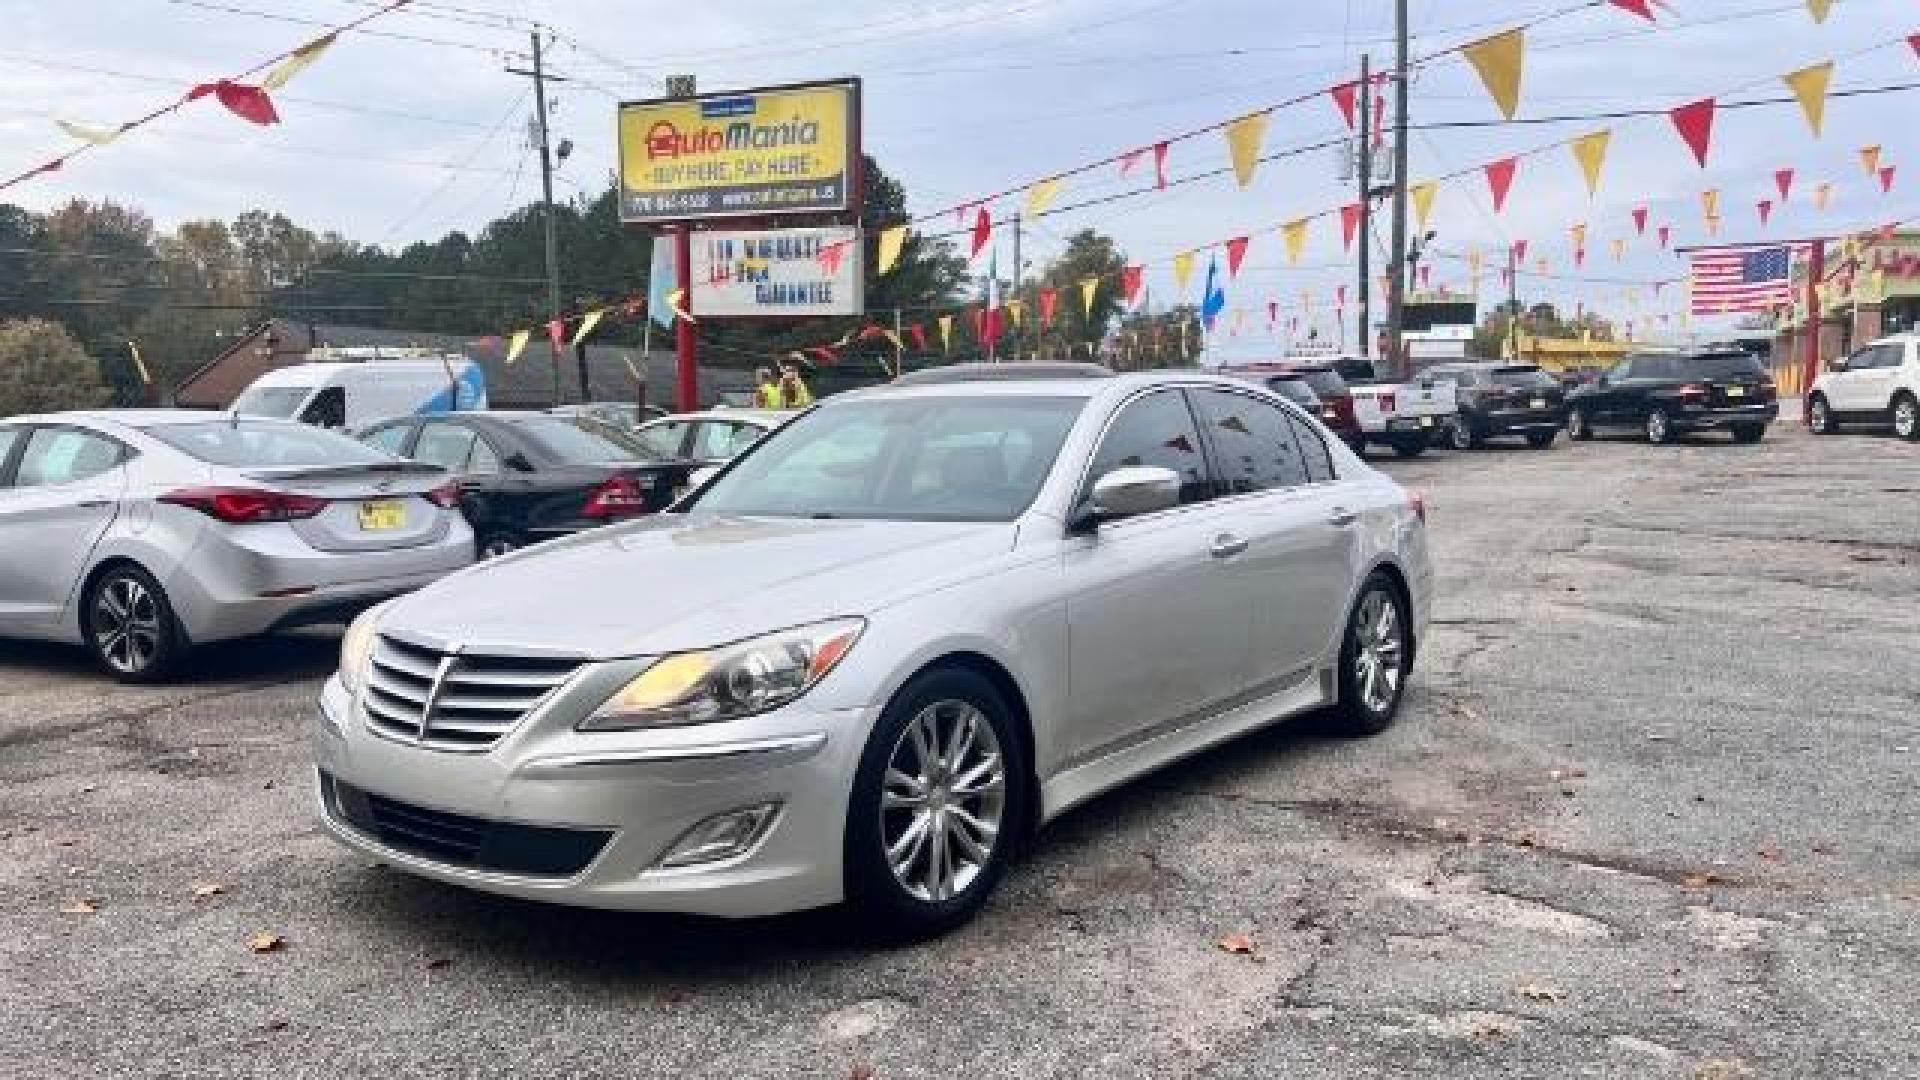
(472, 700)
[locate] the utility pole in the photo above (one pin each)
(540, 80)
(1397, 285)
(1365, 285)
(1513, 304)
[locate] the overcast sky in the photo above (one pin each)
(392, 139)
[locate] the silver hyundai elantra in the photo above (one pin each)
(879, 649)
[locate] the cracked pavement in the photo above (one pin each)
(1648, 812)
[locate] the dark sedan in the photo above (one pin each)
(526, 477)
(1666, 395)
(1503, 399)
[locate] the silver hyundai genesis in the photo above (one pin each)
(881, 648)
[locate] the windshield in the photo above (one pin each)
(253, 444)
(280, 402)
(1522, 376)
(917, 459)
(578, 440)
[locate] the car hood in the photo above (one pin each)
(675, 582)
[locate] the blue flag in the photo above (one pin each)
(1214, 298)
(662, 278)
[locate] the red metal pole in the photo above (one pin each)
(687, 384)
(1810, 348)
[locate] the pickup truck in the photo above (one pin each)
(1407, 416)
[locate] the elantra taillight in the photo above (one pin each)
(241, 506)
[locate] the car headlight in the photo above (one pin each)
(357, 646)
(749, 677)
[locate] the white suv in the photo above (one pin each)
(1878, 384)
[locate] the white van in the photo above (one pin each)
(353, 393)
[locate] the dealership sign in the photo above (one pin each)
(776, 272)
(781, 150)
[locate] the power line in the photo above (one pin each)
(391, 35)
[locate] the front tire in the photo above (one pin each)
(1540, 440)
(1820, 416)
(937, 805)
(1410, 446)
(1466, 435)
(1579, 428)
(1749, 433)
(130, 627)
(1375, 658)
(1659, 427)
(1906, 417)
(497, 545)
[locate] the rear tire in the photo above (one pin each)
(1820, 416)
(1749, 433)
(1659, 427)
(497, 545)
(1410, 446)
(1579, 428)
(1375, 657)
(967, 806)
(1906, 417)
(130, 627)
(1540, 440)
(1466, 435)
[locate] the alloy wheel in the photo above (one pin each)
(1377, 651)
(1462, 434)
(1906, 419)
(1576, 424)
(943, 800)
(1657, 426)
(126, 625)
(497, 547)
(1820, 418)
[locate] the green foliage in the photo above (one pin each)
(1540, 320)
(1088, 254)
(43, 369)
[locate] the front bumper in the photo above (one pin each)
(1523, 421)
(640, 791)
(1708, 419)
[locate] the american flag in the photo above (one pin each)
(1741, 279)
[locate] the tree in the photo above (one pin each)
(1088, 254)
(43, 369)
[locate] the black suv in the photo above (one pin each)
(1666, 395)
(1503, 399)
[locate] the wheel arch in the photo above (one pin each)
(1390, 569)
(77, 622)
(1010, 690)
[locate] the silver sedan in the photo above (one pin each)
(887, 642)
(141, 533)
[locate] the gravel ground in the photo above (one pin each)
(1648, 812)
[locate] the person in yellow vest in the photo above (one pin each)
(793, 389)
(766, 392)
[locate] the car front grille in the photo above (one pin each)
(455, 701)
(503, 847)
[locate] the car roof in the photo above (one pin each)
(1117, 385)
(137, 418)
(762, 417)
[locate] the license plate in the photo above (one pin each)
(1736, 391)
(1539, 403)
(381, 514)
(1426, 421)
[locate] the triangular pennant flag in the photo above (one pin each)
(1236, 251)
(1017, 308)
(1129, 159)
(1182, 270)
(892, 241)
(1499, 60)
(1886, 179)
(1591, 152)
(1765, 206)
(1809, 85)
(1041, 195)
(556, 333)
(1783, 179)
(1666, 235)
(1619, 248)
(98, 135)
(517, 344)
(1821, 194)
(1818, 9)
(296, 62)
(1694, 122)
(1638, 7)
(1579, 235)
(1243, 139)
(1160, 165)
(945, 322)
(1913, 42)
(1640, 220)
(1710, 203)
(1579, 257)
(982, 231)
(1088, 286)
(1500, 179)
(1130, 281)
(249, 103)
(919, 333)
(1520, 250)
(1294, 233)
(587, 324)
(1049, 302)
(1343, 99)
(1422, 196)
(1870, 158)
(829, 258)
(1349, 222)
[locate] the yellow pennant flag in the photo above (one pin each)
(946, 333)
(91, 133)
(891, 242)
(1710, 203)
(587, 324)
(1591, 152)
(1499, 60)
(295, 63)
(1820, 196)
(1579, 235)
(677, 303)
(1243, 138)
(1295, 234)
(517, 344)
(1619, 249)
(1016, 309)
(139, 364)
(1182, 270)
(1088, 286)
(1870, 158)
(1818, 9)
(1041, 195)
(1809, 84)
(1422, 195)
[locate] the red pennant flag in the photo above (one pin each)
(1049, 301)
(1343, 97)
(1129, 159)
(1520, 250)
(1500, 180)
(1913, 40)
(1579, 258)
(1130, 282)
(1273, 312)
(1236, 251)
(1666, 234)
(1886, 179)
(991, 325)
(1640, 220)
(1506, 277)
(1349, 222)
(1783, 179)
(556, 333)
(1885, 232)
(871, 331)
(1340, 296)
(919, 336)
(1379, 119)
(1160, 165)
(1694, 122)
(249, 103)
(825, 353)
(982, 231)
(1766, 211)
(1638, 7)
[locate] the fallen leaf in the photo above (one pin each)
(1700, 881)
(1526, 839)
(1536, 992)
(1770, 854)
(1238, 944)
(266, 941)
(862, 1071)
(434, 963)
(207, 889)
(81, 907)
(276, 1024)
(86, 789)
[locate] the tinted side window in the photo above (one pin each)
(1155, 431)
(444, 445)
(1313, 450)
(328, 409)
(391, 439)
(1256, 448)
(8, 437)
(62, 456)
(484, 458)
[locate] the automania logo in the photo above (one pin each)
(665, 139)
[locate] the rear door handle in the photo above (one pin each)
(1227, 545)
(1342, 517)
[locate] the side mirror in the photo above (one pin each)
(1130, 492)
(699, 477)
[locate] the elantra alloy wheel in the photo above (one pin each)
(130, 625)
(1375, 658)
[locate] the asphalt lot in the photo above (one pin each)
(1649, 812)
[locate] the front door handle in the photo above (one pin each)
(1227, 545)
(1342, 517)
